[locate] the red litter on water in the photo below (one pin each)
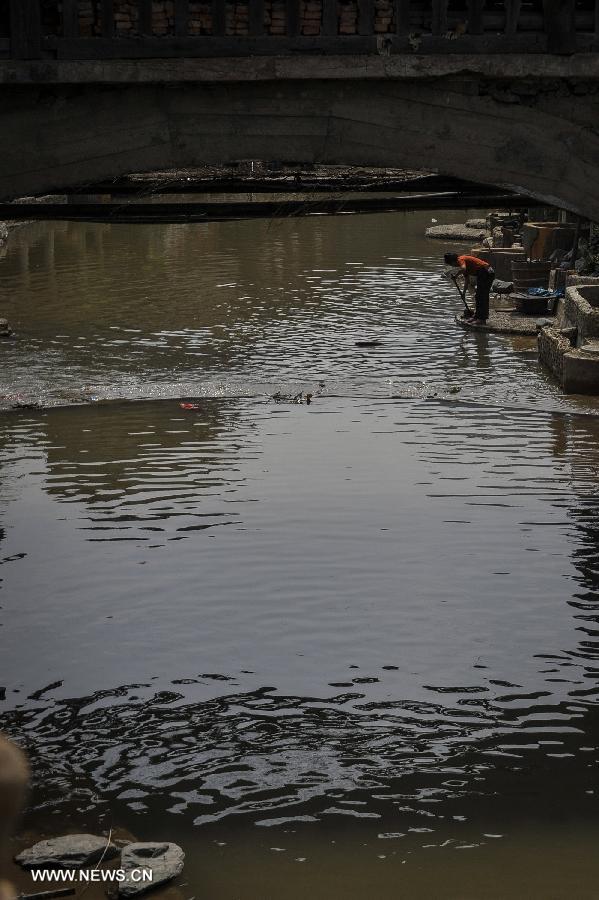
(190, 406)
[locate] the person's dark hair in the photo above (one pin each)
(451, 259)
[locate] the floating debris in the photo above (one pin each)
(296, 398)
(48, 895)
(27, 404)
(5, 329)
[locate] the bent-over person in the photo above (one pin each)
(473, 267)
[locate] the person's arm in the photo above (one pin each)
(466, 276)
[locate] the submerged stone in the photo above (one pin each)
(66, 852)
(165, 860)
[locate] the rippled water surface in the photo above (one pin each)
(341, 650)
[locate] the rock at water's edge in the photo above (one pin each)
(66, 852)
(164, 859)
(456, 233)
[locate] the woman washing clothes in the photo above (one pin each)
(473, 267)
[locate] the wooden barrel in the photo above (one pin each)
(530, 274)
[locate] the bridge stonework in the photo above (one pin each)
(88, 96)
(200, 21)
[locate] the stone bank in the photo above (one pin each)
(569, 348)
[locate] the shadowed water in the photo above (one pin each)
(346, 649)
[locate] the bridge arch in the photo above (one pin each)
(535, 132)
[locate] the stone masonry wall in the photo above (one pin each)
(237, 17)
(552, 348)
(581, 313)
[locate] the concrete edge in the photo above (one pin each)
(510, 66)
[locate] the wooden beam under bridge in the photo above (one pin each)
(140, 213)
(162, 183)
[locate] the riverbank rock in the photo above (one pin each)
(164, 859)
(67, 852)
(462, 233)
(3, 233)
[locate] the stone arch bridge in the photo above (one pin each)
(500, 93)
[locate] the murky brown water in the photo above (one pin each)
(341, 650)
(245, 308)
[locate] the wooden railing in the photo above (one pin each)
(100, 29)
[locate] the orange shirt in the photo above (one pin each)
(472, 264)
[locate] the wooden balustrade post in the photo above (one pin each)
(365, 17)
(219, 18)
(330, 26)
(256, 17)
(560, 25)
(70, 18)
(145, 17)
(292, 18)
(25, 29)
(475, 16)
(402, 17)
(512, 15)
(439, 17)
(181, 28)
(107, 20)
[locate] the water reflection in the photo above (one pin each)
(144, 473)
(382, 651)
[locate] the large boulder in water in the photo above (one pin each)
(71, 851)
(165, 860)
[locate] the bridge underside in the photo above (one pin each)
(536, 135)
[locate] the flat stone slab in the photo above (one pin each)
(164, 859)
(503, 322)
(459, 232)
(71, 851)
(480, 224)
